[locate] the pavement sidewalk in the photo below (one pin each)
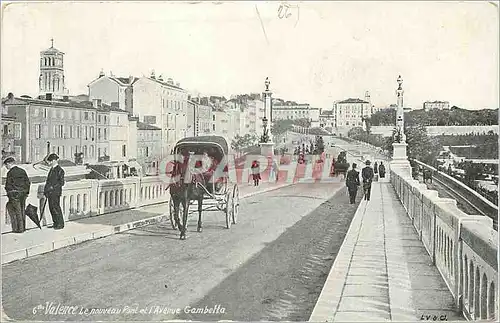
(35, 241)
(382, 271)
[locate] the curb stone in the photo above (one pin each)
(111, 230)
(329, 298)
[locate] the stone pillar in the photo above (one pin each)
(400, 158)
(267, 148)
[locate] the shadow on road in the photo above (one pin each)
(284, 280)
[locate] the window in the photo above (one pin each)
(213, 127)
(77, 131)
(60, 131)
(85, 133)
(98, 152)
(213, 117)
(85, 115)
(91, 151)
(17, 131)
(147, 151)
(92, 133)
(118, 120)
(36, 112)
(84, 151)
(38, 131)
(71, 131)
(124, 150)
(36, 153)
(105, 120)
(99, 118)
(99, 134)
(105, 134)
(45, 113)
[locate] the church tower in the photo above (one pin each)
(51, 80)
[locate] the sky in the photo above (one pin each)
(321, 52)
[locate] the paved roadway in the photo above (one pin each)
(270, 266)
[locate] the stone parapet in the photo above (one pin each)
(90, 197)
(463, 247)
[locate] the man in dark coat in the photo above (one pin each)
(367, 174)
(17, 186)
(352, 183)
(53, 191)
(381, 170)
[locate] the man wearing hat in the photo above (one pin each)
(17, 186)
(53, 191)
(367, 174)
(352, 183)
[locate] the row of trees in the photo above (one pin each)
(240, 143)
(485, 146)
(453, 117)
(420, 145)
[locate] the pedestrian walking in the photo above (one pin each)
(275, 170)
(53, 190)
(381, 170)
(367, 175)
(255, 172)
(332, 168)
(352, 183)
(17, 186)
(375, 168)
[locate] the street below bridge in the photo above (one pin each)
(272, 265)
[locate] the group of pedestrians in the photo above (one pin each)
(367, 175)
(17, 187)
(255, 167)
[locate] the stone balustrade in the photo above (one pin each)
(463, 247)
(91, 197)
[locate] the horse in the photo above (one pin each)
(182, 192)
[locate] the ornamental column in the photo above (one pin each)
(266, 140)
(399, 156)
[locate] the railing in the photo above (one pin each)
(484, 206)
(463, 247)
(85, 198)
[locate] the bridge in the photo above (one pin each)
(408, 254)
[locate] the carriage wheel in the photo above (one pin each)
(172, 212)
(236, 203)
(229, 209)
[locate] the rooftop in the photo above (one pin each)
(351, 100)
(146, 126)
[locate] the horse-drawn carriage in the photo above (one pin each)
(210, 187)
(341, 165)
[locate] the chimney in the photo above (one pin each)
(10, 96)
(101, 74)
(130, 79)
(178, 84)
(48, 96)
(160, 78)
(153, 75)
(170, 81)
(96, 103)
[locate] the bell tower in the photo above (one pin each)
(51, 79)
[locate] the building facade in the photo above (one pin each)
(437, 105)
(327, 119)
(349, 113)
(11, 131)
(113, 90)
(148, 147)
(163, 105)
(64, 128)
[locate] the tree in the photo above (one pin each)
(320, 145)
(421, 146)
